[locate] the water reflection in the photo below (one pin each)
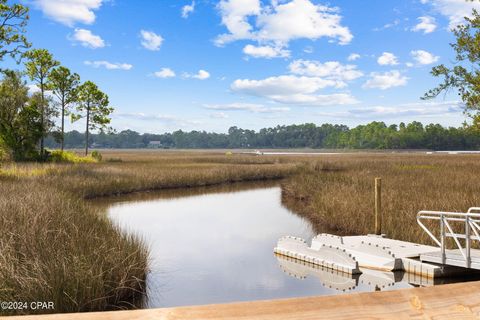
(215, 245)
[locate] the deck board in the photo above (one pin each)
(452, 301)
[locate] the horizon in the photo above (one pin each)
(209, 65)
(318, 125)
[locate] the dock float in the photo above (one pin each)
(350, 254)
(450, 301)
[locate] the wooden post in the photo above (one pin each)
(378, 206)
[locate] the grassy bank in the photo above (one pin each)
(55, 246)
(336, 193)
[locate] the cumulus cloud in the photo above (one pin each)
(329, 70)
(151, 40)
(423, 109)
(109, 65)
(426, 25)
(353, 57)
(423, 57)
(454, 10)
(188, 9)
(165, 73)
(250, 107)
(87, 39)
(280, 22)
(200, 75)
(386, 80)
(293, 89)
(33, 88)
(268, 52)
(387, 59)
(69, 12)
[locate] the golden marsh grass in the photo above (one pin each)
(55, 246)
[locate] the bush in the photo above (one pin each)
(69, 157)
(97, 155)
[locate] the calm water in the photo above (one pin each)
(215, 245)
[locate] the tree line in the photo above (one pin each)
(27, 118)
(375, 135)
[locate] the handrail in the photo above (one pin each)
(471, 220)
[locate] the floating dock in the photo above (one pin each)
(349, 254)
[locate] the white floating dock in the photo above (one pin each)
(349, 254)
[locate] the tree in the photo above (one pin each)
(94, 106)
(64, 86)
(38, 68)
(20, 126)
(464, 76)
(13, 20)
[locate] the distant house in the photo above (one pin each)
(154, 144)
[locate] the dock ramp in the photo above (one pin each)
(455, 229)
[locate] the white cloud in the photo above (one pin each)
(151, 40)
(422, 109)
(427, 24)
(219, 115)
(308, 49)
(333, 70)
(188, 9)
(423, 57)
(87, 39)
(69, 12)
(395, 23)
(294, 90)
(109, 65)
(33, 88)
(265, 51)
(280, 22)
(200, 75)
(165, 73)
(387, 59)
(353, 57)
(386, 80)
(171, 120)
(454, 10)
(251, 107)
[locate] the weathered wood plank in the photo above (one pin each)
(452, 301)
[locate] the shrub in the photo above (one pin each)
(69, 157)
(97, 155)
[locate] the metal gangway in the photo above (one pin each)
(449, 224)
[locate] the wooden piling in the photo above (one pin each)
(378, 206)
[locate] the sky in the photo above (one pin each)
(209, 65)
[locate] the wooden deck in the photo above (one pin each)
(452, 301)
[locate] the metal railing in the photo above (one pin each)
(470, 221)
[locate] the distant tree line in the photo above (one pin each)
(375, 135)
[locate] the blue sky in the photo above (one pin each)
(209, 65)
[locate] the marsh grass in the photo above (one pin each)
(336, 193)
(56, 246)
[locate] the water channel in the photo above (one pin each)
(215, 245)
